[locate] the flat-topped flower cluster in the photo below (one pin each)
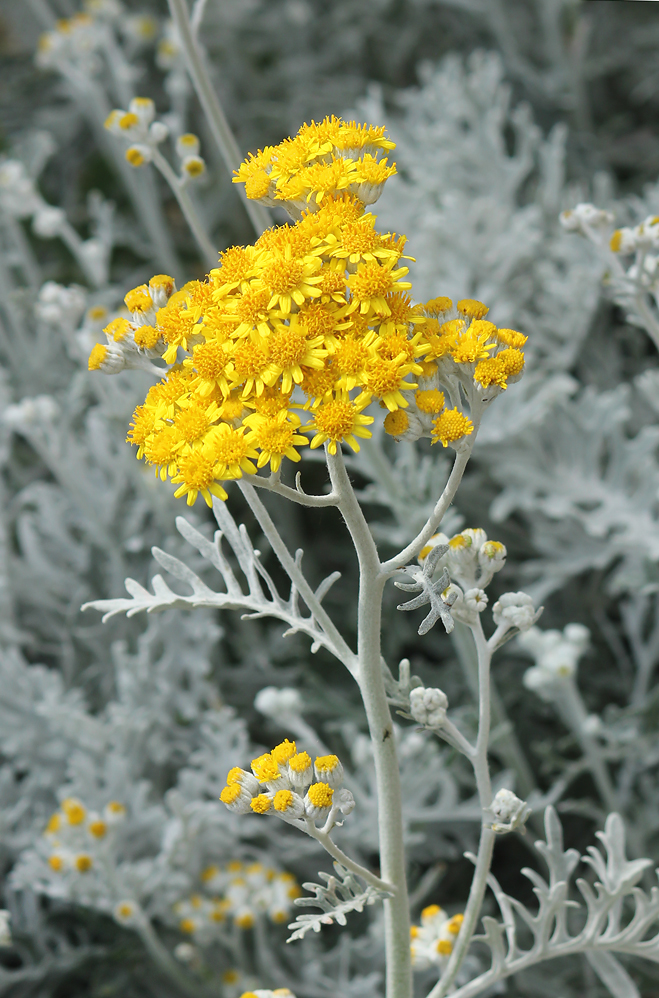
(314, 318)
(286, 783)
(240, 892)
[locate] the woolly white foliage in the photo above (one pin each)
(337, 899)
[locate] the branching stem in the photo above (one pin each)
(217, 122)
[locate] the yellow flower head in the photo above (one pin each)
(315, 315)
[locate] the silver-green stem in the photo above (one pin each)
(163, 959)
(188, 209)
(486, 844)
(339, 646)
(339, 855)
(371, 686)
(219, 126)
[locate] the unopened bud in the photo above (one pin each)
(428, 706)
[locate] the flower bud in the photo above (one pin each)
(492, 556)
(515, 610)
(428, 706)
(508, 811)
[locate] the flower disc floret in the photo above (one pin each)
(336, 421)
(430, 401)
(396, 423)
(450, 426)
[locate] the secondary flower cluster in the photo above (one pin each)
(313, 318)
(472, 559)
(287, 784)
(77, 836)
(240, 892)
(138, 128)
(432, 941)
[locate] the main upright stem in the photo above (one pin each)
(371, 684)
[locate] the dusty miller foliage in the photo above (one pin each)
(505, 114)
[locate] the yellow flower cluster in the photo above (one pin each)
(238, 891)
(432, 940)
(314, 318)
(74, 834)
(322, 160)
(278, 782)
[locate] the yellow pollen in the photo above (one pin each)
(118, 328)
(320, 795)
(55, 863)
(616, 241)
(472, 309)
(265, 768)
(288, 346)
(283, 752)
(430, 401)
(455, 924)
(326, 763)
(135, 156)
(125, 910)
(283, 800)
(187, 925)
(444, 947)
(139, 299)
(128, 120)
(512, 361)
(261, 804)
(98, 829)
(114, 807)
(74, 811)
(54, 822)
(350, 356)
(438, 306)
(396, 423)
(245, 921)
(197, 471)
(97, 357)
(336, 419)
(430, 911)
(451, 426)
(282, 276)
(146, 337)
(231, 793)
(192, 423)
(83, 863)
(300, 763)
(511, 337)
(258, 185)
(249, 360)
(194, 166)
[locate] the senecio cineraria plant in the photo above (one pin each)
(283, 346)
(147, 805)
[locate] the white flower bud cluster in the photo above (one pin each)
(58, 305)
(143, 134)
(585, 217)
(31, 413)
(279, 703)
(556, 654)
(472, 560)
(515, 610)
(508, 811)
(428, 706)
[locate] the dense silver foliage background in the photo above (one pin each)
(506, 112)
